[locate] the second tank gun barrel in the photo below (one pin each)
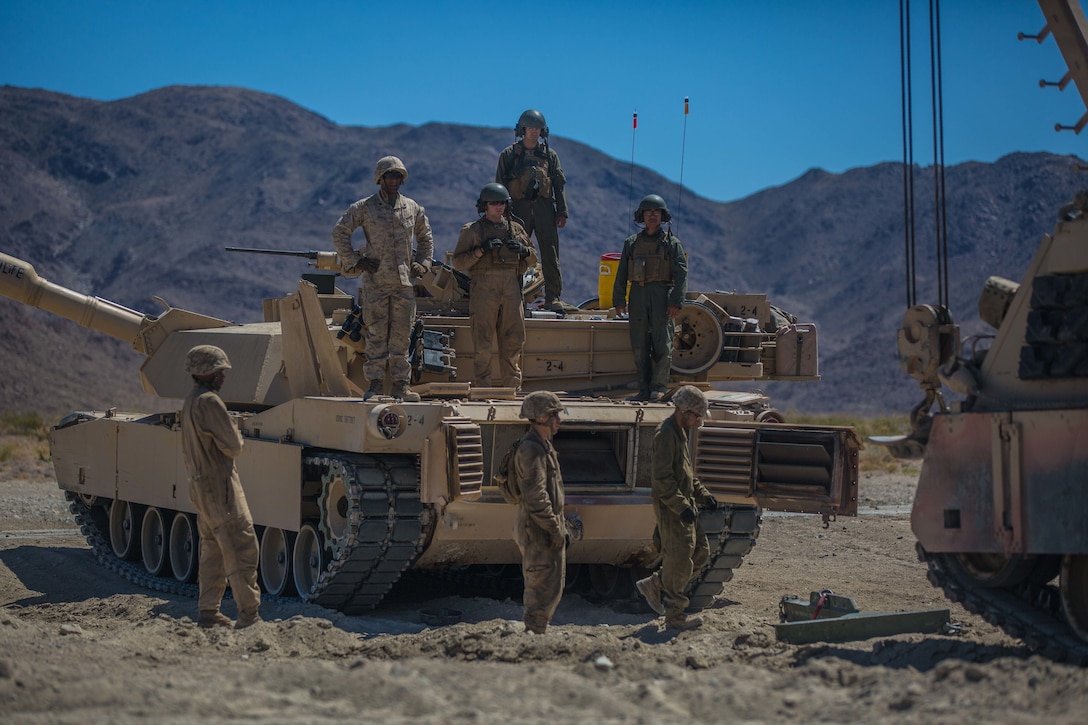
(327, 261)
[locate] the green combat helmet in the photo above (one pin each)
(492, 192)
(652, 201)
(539, 404)
(206, 360)
(386, 164)
(531, 119)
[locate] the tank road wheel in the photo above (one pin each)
(153, 541)
(697, 341)
(995, 571)
(610, 582)
(309, 560)
(1074, 593)
(184, 547)
(277, 547)
(125, 521)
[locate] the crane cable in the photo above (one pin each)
(939, 197)
(631, 183)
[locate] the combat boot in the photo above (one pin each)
(651, 592)
(683, 622)
(401, 391)
(213, 618)
(374, 389)
(536, 624)
(247, 619)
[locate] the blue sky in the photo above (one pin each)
(776, 87)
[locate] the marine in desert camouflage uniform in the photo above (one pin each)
(496, 252)
(388, 263)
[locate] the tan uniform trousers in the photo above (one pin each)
(496, 308)
(544, 570)
(228, 544)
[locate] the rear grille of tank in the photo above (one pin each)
(467, 449)
(768, 463)
(723, 459)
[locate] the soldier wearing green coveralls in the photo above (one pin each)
(677, 498)
(530, 170)
(653, 261)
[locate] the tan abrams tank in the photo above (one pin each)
(348, 494)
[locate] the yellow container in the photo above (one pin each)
(610, 264)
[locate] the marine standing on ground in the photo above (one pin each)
(653, 261)
(495, 251)
(388, 264)
(540, 530)
(530, 170)
(677, 498)
(228, 544)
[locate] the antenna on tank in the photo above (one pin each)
(683, 147)
(631, 183)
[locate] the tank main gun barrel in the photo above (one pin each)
(326, 261)
(19, 281)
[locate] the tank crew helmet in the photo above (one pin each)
(206, 360)
(690, 398)
(652, 201)
(531, 119)
(540, 404)
(386, 164)
(492, 192)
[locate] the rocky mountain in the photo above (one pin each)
(137, 198)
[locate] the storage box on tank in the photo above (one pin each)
(796, 352)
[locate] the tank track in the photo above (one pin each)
(1028, 612)
(730, 541)
(94, 530)
(387, 531)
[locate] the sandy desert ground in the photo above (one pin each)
(80, 644)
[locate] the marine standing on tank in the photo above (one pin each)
(677, 497)
(388, 264)
(540, 529)
(228, 544)
(496, 252)
(530, 170)
(655, 264)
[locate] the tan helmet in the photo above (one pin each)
(206, 360)
(539, 404)
(690, 398)
(389, 163)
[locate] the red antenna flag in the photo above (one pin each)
(634, 120)
(685, 105)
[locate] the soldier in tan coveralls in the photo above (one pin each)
(496, 251)
(530, 170)
(388, 263)
(228, 545)
(677, 498)
(540, 529)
